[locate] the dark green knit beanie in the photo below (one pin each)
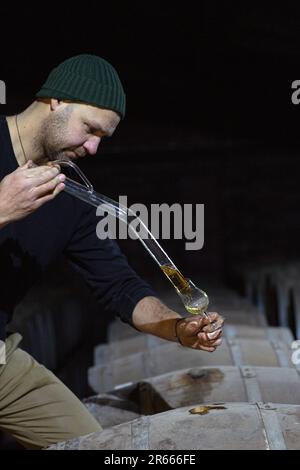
(88, 79)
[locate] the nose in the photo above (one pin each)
(91, 145)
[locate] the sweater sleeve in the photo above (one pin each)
(116, 286)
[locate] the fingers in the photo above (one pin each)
(199, 344)
(45, 179)
(210, 337)
(59, 188)
(209, 348)
(26, 165)
(49, 197)
(52, 164)
(213, 317)
(200, 332)
(206, 341)
(51, 186)
(29, 165)
(213, 322)
(41, 174)
(215, 334)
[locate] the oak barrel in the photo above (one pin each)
(105, 352)
(110, 410)
(253, 426)
(206, 385)
(171, 356)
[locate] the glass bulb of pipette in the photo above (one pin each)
(194, 299)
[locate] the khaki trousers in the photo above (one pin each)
(36, 408)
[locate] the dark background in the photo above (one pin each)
(223, 69)
(209, 118)
(209, 113)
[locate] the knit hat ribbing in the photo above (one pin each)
(86, 78)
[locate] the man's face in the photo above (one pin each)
(74, 130)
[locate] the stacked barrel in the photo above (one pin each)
(155, 394)
(275, 288)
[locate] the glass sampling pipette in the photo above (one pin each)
(194, 299)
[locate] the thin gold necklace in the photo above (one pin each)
(16, 120)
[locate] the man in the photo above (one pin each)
(81, 102)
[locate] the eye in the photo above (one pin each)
(90, 129)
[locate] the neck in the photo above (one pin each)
(29, 124)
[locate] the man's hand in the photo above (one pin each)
(26, 189)
(200, 332)
(151, 316)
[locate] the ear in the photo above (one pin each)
(54, 104)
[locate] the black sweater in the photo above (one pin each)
(64, 225)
